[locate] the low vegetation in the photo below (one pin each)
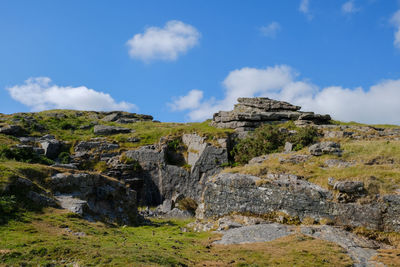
(61, 238)
(381, 177)
(269, 139)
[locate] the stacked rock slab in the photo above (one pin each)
(251, 113)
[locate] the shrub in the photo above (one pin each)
(64, 157)
(270, 139)
(188, 204)
(24, 154)
(304, 137)
(264, 140)
(8, 204)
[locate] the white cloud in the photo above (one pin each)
(378, 104)
(271, 29)
(349, 7)
(39, 94)
(163, 43)
(190, 101)
(396, 23)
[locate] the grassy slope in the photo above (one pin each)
(382, 178)
(43, 238)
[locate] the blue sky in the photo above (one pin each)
(183, 60)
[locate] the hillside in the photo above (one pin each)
(89, 188)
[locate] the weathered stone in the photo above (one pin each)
(349, 186)
(258, 160)
(295, 159)
(228, 193)
(107, 199)
(319, 149)
(108, 130)
(251, 113)
(72, 204)
(179, 214)
(166, 206)
(288, 147)
(11, 130)
(41, 199)
(337, 163)
(255, 233)
(51, 147)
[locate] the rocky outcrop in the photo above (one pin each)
(51, 146)
(228, 193)
(95, 196)
(322, 148)
(126, 117)
(108, 130)
(11, 130)
(251, 113)
(159, 179)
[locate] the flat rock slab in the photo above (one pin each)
(255, 233)
(71, 203)
(361, 250)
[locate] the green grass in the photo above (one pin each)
(42, 238)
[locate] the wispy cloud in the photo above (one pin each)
(271, 29)
(349, 7)
(395, 20)
(39, 94)
(378, 104)
(166, 43)
(305, 8)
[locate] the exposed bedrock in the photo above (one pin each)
(251, 113)
(95, 196)
(229, 193)
(159, 179)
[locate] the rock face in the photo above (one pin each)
(11, 129)
(51, 146)
(288, 194)
(159, 179)
(253, 112)
(95, 196)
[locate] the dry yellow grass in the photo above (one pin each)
(382, 177)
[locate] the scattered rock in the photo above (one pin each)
(349, 186)
(179, 214)
(337, 163)
(288, 147)
(51, 147)
(319, 149)
(295, 159)
(258, 160)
